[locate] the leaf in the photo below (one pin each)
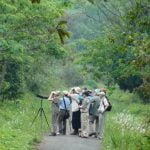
(62, 33)
(35, 1)
(52, 30)
(62, 22)
(91, 1)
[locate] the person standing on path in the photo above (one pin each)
(54, 98)
(102, 112)
(85, 115)
(76, 114)
(94, 114)
(64, 105)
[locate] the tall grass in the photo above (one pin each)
(16, 132)
(128, 125)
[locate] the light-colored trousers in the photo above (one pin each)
(84, 124)
(102, 117)
(93, 124)
(55, 116)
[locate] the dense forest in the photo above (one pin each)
(56, 44)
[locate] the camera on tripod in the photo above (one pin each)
(41, 111)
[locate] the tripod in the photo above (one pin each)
(41, 112)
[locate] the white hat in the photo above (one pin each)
(77, 89)
(97, 91)
(57, 92)
(102, 93)
(65, 92)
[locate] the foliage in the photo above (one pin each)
(71, 75)
(122, 54)
(91, 83)
(26, 45)
(16, 131)
(127, 126)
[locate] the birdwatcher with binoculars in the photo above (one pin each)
(54, 97)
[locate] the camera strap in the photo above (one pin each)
(64, 103)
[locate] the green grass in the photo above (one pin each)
(16, 132)
(128, 125)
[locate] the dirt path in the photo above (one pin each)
(68, 142)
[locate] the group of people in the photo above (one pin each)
(85, 110)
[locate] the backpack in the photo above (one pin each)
(91, 109)
(110, 106)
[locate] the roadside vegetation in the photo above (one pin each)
(50, 45)
(128, 125)
(16, 132)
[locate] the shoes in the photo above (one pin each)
(99, 137)
(74, 133)
(91, 134)
(84, 136)
(53, 134)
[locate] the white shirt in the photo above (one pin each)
(75, 102)
(103, 104)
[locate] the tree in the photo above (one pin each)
(25, 43)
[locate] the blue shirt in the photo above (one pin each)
(67, 102)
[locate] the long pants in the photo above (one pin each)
(55, 115)
(101, 124)
(84, 124)
(76, 120)
(94, 121)
(62, 122)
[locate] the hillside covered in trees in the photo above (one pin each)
(47, 45)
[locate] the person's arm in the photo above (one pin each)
(105, 103)
(56, 99)
(51, 96)
(74, 98)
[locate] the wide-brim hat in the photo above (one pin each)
(65, 92)
(102, 93)
(57, 92)
(97, 91)
(77, 89)
(103, 90)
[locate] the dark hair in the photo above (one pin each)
(86, 93)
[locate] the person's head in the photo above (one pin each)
(97, 92)
(86, 94)
(84, 89)
(102, 94)
(65, 93)
(72, 91)
(57, 93)
(52, 95)
(75, 90)
(103, 90)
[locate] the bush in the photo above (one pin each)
(91, 83)
(16, 131)
(72, 76)
(127, 125)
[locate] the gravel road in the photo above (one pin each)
(68, 142)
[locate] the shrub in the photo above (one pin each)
(91, 83)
